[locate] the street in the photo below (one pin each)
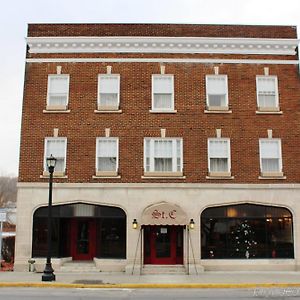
(147, 294)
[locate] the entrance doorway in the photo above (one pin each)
(83, 239)
(163, 245)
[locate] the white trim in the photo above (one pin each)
(45, 151)
(261, 140)
(57, 76)
(174, 154)
(164, 60)
(225, 78)
(117, 77)
(117, 154)
(228, 157)
(273, 77)
(164, 185)
(142, 44)
(159, 109)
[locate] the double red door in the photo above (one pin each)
(163, 245)
(83, 239)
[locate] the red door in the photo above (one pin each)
(163, 245)
(83, 239)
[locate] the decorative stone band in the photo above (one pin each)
(162, 45)
(164, 213)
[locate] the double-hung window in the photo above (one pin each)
(270, 157)
(107, 156)
(216, 92)
(57, 147)
(163, 156)
(267, 93)
(108, 92)
(58, 92)
(219, 157)
(162, 93)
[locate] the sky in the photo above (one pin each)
(16, 14)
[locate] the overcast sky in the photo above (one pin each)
(16, 14)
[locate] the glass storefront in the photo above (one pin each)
(246, 231)
(106, 232)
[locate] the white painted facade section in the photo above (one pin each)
(136, 44)
(134, 198)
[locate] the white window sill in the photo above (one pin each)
(220, 177)
(160, 175)
(272, 175)
(54, 176)
(103, 111)
(262, 112)
(163, 177)
(47, 111)
(163, 111)
(106, 177)
(217, 111)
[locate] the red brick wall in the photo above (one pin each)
(189, 30)
(81, 126)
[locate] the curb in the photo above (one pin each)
(150, 285)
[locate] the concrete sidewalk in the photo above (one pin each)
(122, 280)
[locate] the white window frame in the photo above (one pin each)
(152, 171)
(56, 173)
(269, 108)
(159, 109)
(217, 108)
(99, 104)
(221, 173)
(57, 107)
(107, 173)
(263, 173)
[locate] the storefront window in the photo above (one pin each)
(106, 233)
(246, 231)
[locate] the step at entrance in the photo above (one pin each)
(75, 266)
(163, 269)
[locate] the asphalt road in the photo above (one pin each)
(147, 294)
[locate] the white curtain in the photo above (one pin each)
(109, 87)
(162, 91)
(266, 91)
(270, 156)
(163, 156)
(218, 155)
(57, 148)
(58, 90)
(107, 155)
(216, 90)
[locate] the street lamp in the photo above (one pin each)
(48, 274)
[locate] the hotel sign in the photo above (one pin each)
(164, 214)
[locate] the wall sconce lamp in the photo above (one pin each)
(192, 224)
(134, 224)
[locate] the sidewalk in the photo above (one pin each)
(122, 280)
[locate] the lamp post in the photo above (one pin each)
(48, 274)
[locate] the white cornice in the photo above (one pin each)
(161, 45)
(163, 60)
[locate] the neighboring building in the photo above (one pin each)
(164, 124)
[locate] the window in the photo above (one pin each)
(219, 157)
(56, 147)
(267, 93)
(108, 92)
(163, 156)
(270, 157)
(162, 93)
(246, 231)
(216, 92)
(58, 92)
(107, 156)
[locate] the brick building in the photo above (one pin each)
(192, 131)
